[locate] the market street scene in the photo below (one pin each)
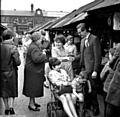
(60, 59)
(21, 103)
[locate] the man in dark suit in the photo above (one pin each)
(90, 60)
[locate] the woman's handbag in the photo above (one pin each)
(65, 89)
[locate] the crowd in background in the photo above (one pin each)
(38, 52)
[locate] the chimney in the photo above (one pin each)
(32, 8)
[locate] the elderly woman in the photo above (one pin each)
(60, 52)
(34, 72)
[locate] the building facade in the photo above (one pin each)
(23, 21)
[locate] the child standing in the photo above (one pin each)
(78, 84)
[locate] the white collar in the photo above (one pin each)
(87, 35)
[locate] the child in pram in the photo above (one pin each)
(68, 90)
(60, 78)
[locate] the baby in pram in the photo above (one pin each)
(67, 87)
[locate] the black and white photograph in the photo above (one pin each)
(60, 58)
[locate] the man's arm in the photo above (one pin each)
(97, 54)
(97, 57)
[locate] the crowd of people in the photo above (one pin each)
(43, 60)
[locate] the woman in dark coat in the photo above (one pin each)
(9, 75)
(34, 72)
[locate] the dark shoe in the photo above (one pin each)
(7, 112)
(33, 109)
(12, 112)
(96, 111)
(37, 105)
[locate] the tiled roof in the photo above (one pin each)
(16, 13)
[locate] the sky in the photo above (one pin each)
(47, 5)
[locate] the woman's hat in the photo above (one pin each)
(35, 36)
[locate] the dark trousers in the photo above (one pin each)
(112, 111)
(105, 103)
(92, 97)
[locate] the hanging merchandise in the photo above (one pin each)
(116, 21)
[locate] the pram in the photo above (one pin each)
(55, 108)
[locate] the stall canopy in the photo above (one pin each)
(75, 14)
(102, 15)
(33, 29)
(60, 19)
(80, 17)
(105, 3)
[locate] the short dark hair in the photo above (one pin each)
(60, 38)
(83, 26)
(84, 74)
(53, 62)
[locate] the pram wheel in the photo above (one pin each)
(49, 109)
(84, 113)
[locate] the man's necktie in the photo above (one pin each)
(86, 42)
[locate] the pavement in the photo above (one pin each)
(21, 102)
